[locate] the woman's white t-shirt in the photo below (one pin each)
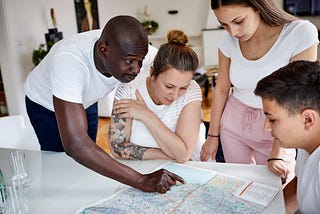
(168, 114)
(294, 38)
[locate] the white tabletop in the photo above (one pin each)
(61, 185)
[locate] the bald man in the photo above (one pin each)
(63, 90)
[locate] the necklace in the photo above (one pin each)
(256, 55)
(262, 47)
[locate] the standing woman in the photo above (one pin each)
(260, 38)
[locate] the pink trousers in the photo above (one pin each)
(243, 137)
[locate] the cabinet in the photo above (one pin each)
(211, 39)
(3, 102)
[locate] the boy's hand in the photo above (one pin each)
(279, 168)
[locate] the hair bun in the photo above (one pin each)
(177, 37)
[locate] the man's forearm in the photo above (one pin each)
(94, 158)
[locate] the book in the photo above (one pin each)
(245, 189)
(257, 193)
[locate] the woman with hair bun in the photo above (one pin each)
(159, 116)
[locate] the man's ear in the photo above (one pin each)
(103, 48)
(151, 71)
(310, 117)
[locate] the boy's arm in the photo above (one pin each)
(278, 166)
(290, 196)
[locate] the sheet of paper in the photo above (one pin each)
(190, 174)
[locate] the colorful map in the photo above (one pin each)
(205, 191)
(217, 196)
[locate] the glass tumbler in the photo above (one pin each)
(13, 200)
(20, 178)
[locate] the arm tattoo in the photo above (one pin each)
(120, 143)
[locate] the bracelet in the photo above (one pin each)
(272, 159)
(211, 135)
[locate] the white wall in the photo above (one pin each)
(24, 23)
(191, 16)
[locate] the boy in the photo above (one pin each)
(291, 102)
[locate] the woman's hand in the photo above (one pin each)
(209, 149)
(133, 109)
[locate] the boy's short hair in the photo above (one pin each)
(294, 87)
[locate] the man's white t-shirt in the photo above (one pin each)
(81, 82)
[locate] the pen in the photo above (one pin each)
(245, 188)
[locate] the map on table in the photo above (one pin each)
(219, 195)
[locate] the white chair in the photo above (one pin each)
(14, 134)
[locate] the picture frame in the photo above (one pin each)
(86, 15)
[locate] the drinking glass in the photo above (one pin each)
(13, 200)
(1, 186)
(20, 178)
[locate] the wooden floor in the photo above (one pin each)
(102, 136)
(206, 106)
(103, 124)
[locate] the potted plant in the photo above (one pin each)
(150, 26)
(38, 54)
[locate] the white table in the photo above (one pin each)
(61, 185)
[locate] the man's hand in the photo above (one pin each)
(159, 181)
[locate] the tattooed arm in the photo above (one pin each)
(120, 145)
